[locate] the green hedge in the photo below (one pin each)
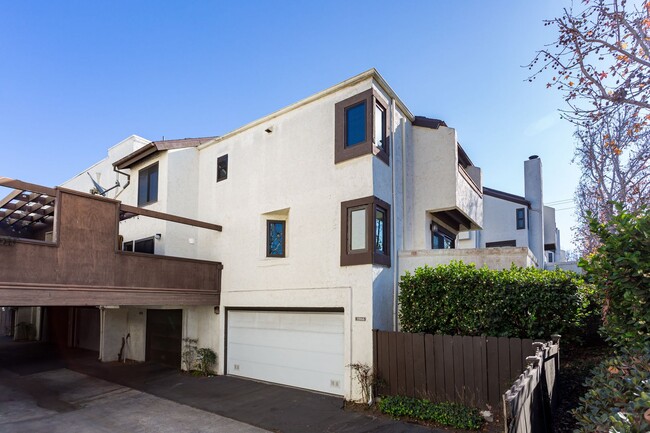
(620, 269)
(618, 396)
(450, 414)
(459, 299)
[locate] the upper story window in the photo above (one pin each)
(379, 135)
(275, 238)
(222, 168)
(148, 185)
(521, 218)
(361, 127)
(442, 239)
(365, 232)
(355, 124)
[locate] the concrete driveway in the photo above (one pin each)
(146, 393)
(62, 400)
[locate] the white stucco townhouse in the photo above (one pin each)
(323, 205)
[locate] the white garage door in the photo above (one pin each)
(302, 349)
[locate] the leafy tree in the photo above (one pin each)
(615, 168)
(601, 57)
(620, 269)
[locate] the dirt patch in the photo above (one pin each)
(576, 364)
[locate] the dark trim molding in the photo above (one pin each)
(368, 255)
(499, 244)
(505, 196)
(366, 147)
(426, 122)
(284, 239)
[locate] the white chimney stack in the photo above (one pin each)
(533, 185)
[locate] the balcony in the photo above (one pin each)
(62, 247)
(447, 186)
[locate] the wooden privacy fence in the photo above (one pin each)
(528, 405)
(471, 370)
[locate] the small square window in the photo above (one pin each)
(441, 239)
(222, 168)
(148, 185)
(521, 218)
(275, 238)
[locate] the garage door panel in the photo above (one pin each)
(302, 349)
(298, 377)
(294, 359)
(290, 340)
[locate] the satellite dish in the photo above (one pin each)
(98, 189)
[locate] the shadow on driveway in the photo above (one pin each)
(270, 407)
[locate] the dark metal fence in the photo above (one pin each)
(471, 370)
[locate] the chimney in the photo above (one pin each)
(533, 185)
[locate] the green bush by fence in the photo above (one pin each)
(620, 270)
(459, 299)
(618, 399)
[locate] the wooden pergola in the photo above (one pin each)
(27, 208)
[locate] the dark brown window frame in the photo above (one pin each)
(366, 147)
(368, 255)
(521, 226)
(219, 161)
(501, 244)
(148, 170)
(284, 239)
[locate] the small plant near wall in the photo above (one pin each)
(206, 360)
(366, 378)
(189, 353)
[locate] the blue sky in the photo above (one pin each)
(77, 77)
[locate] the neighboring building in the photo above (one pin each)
(511, 221)
(323, 205)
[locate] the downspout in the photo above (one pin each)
(394, 259)
(128, 180)
(395, 301)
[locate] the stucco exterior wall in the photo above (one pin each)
(103, 172)
(493, 258)
(290, 173)
(500, 222)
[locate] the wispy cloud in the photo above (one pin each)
(542, 124)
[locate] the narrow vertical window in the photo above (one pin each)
(275, 238)
(148, 185)
(380, 230)
(379, 135)
(355, 124)
(222, 168)
(357, 229)
(521, 218)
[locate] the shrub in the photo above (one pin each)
(206, 359)
(620, 270)
(450, 414)
(619, 396)
(518, 302)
